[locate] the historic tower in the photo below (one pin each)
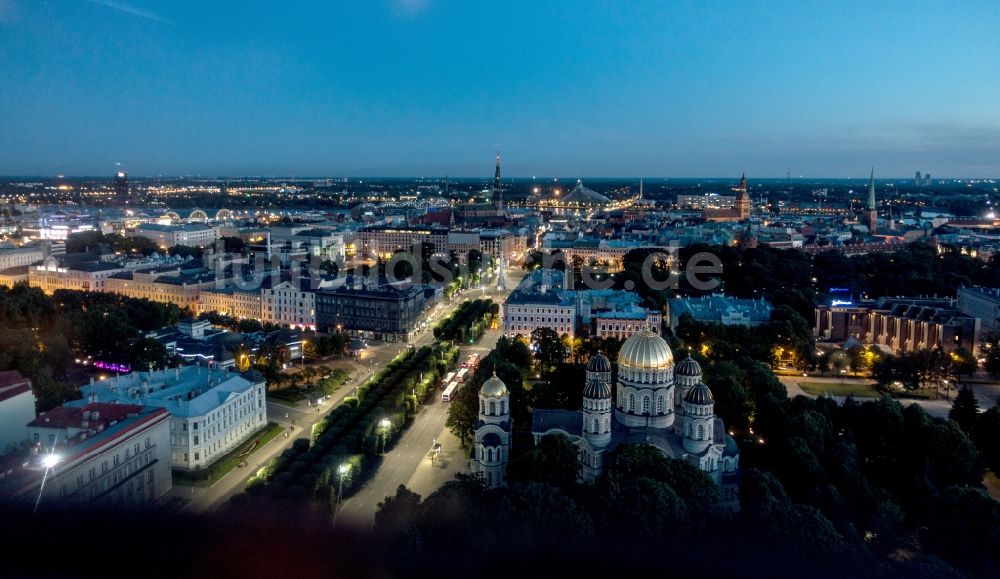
(687, 375)
(742, 203)
(871, 213)
(497, 191)
(698, 419)
(492, 441)
(597, 402)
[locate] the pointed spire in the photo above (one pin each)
(497, 194)
(871, 191)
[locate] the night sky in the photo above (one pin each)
(431, 87)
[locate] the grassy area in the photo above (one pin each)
(838, 389)
(222, 467)
(290, 395)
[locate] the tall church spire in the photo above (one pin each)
(871, 212)
(871, 191)
(497, 192)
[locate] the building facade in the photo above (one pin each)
(188, 234)
(17, 407)
(51, 276)
(231, 301)
(20, 256)
(654, 402)
(525, 311)
(383, 241)
(212, 411)
(289, 305)
(719, 309)
(901, 324)
(491, 448)
(108, 454)
(982, 303)
(368, 309)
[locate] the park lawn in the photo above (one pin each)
(223, 466)
(838, 389)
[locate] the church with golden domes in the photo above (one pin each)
(654, 401)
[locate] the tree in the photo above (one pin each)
(554, 461)
(986, 435)
(397, 513)
(963, 363)
(550, 351)
(965, 409)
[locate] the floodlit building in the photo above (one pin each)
(288, 304)
(370, 309)
(51, 275)
(188, 234)
(901, 324)
(655, 402)
(527, 309)
(20, 256)
(491, 449)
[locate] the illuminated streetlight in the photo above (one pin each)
(384, 425)
(342, 470)
(49, 461)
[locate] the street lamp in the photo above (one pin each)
(384, 425)
(342, 470)
(49, 461)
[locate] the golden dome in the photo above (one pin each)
(494, 387)
(645, 350)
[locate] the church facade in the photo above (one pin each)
(655, 402)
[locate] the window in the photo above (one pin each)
(631, 402)
(489, 455)
(645, 404)
(701, 432)
(597, 426)
(493, 408)
(659, 404)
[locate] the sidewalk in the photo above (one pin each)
(207, 499)
(431, 474)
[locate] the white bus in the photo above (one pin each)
(448, 377)
(449, 391)
(462, 375)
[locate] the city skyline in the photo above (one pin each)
(429, 88)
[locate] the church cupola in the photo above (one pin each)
(596, 412)
(698, 419)
(687, 374)
(491, 449)
(599, 367)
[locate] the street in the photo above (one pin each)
(986, 393)
(409, 462)
(401, 463)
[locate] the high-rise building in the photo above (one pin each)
(121, 183)
(917, 180)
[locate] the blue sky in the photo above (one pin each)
(430, 87)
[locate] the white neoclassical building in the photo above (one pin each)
(657, 402)
(491, 450)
